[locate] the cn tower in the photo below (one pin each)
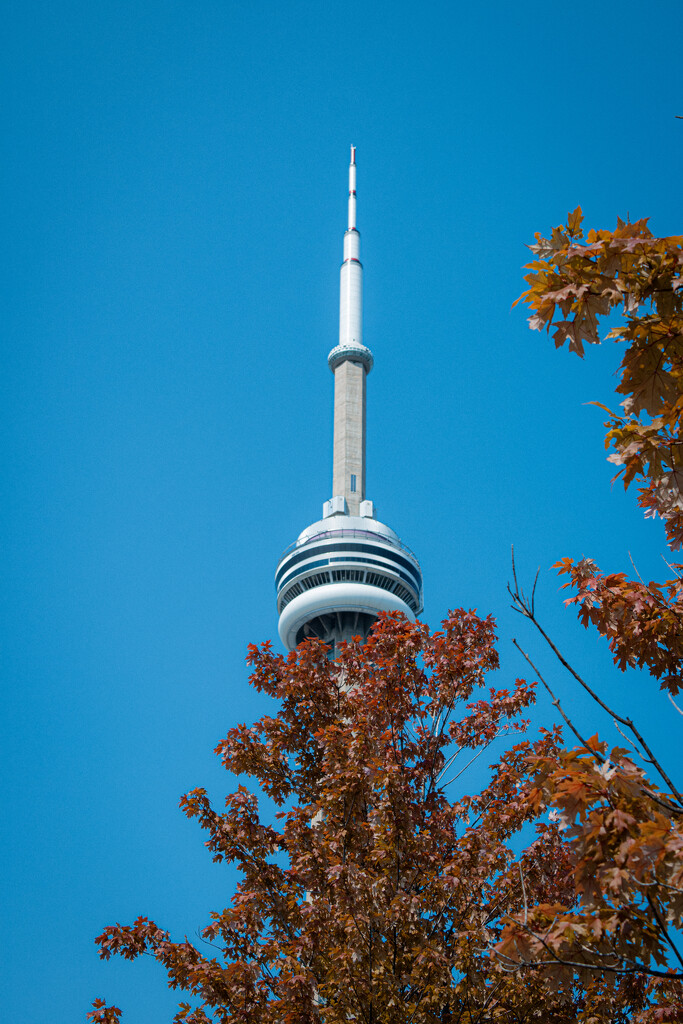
(347, 567)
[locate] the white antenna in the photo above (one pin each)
(351, 283)
(352, 189)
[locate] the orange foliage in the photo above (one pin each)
(373, 894)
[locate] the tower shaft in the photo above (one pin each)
(348, 464)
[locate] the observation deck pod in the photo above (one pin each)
(340, 573)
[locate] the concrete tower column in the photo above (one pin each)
(348, 464)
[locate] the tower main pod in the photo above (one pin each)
(347, 567)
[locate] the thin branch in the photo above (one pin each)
(656, 884)
(436, 719)
(664, 929)
(492, 993)
(556, 703)
(526, 908)
(439, 916)
(674, 703)
(471, 761)
(673, 568)
(630, 742)
(207, 942)
(481, 814)
(525, 601)
(634, 569)
(432, 777)
(452, 758)
(579, 965)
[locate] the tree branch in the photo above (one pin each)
(556, 703)
(525, 607)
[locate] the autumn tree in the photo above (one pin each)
(371, 894)
(622, 810)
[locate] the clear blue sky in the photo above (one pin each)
(174, 202)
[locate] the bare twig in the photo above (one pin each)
(526, 908)
(471, 761)
(630, 742)
(492, 993)
(525, 601)
(634, 568)
(664, 929)
(674, 704)
(673, 568)
(450, 761)
(556, 703)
